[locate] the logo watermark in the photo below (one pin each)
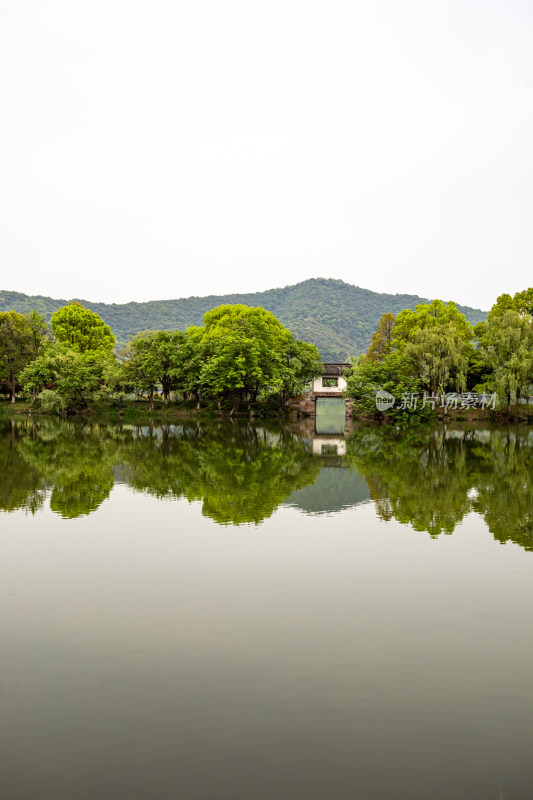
(411, 401)
(384, 400)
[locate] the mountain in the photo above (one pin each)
(336, 316)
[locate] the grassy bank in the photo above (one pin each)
(133, 410)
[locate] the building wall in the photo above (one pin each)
(319, 387)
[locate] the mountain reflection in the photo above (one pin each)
(240, 473)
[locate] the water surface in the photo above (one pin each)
(235, 611)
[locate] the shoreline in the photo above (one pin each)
(133, 410)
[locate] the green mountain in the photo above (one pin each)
(336, 316)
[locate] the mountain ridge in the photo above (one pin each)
(336, 316)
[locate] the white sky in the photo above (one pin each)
(153, 149)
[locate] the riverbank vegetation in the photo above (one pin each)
(430, 360)
(241, 355)
(433, 358)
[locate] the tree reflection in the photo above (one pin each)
(433, 478)
(21, 485)
(240, 473)
(76, 462)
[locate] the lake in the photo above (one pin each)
(225, 611)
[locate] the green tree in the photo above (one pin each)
(21, 338)
(524, 301)
(393, 374)
(246, 352)
(302, 362)
(82, 330)
(430, 315)
(503, 303)
(187, 371)
(381, 342)
(439, 354)
(153, 359)
(436, 339)
(117, 380)
(65, 380)
(506, 346)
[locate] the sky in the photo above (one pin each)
(153, 149)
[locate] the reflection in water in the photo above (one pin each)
(241, 474)
(335, 489)
(330, 415)
(432, 479)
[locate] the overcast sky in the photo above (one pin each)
(153, 149)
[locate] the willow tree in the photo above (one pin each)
(439, 355)
(436, 340)
(506, 346)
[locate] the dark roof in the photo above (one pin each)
(334, 369)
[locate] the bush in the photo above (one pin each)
(51, 401)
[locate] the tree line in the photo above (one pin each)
(435, 350)
(241, 354)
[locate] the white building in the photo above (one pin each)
(332, 381)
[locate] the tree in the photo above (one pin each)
(506, 346)
(153, 358)
(524, 301)
(393, 374)
(430, 315)
(21, 338)
(437, 354)
(381, 342)
(436, 339)
(504, 303)
(244, 353)
(302, 362)
(117, 380)
(188, 366)
(82, 330)
(64, 380)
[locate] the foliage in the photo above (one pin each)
(247, 352)
(76, 378)
(22, 337)
(392, 374)
(506, 347)
(152, 358)
(426, 349)
(522, 302)
(335, 316)
(301, 363)
(82, 330)
(51, 402)
(117, 380)
(439, 355)
(430, 315)
(381, 342)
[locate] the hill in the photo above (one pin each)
(336, 316)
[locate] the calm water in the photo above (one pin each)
(234, 612)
